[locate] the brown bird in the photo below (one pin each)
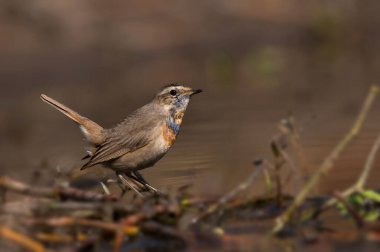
(140, 140)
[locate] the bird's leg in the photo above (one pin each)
(105, 188)
(127, 183)
(139, 178)
(120, 183)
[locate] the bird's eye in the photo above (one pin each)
(173, 92)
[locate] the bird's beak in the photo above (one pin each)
(195, 91)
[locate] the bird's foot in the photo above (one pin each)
(129, 184)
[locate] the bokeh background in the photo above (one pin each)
(257, 61)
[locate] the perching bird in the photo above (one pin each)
(140, 140)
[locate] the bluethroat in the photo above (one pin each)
(140, 140)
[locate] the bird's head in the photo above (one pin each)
(175, 97)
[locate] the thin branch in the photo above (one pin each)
(155, 228)
(360, 183)
(7, 183)
(71, 221)
(368, 165)
(232, 194)
(355, 215)
(61, 238)
(288, 128)
(294, 171)
(328, 163)
(21, 240)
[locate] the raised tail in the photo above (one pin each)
(90, 129)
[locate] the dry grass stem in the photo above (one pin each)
(328, 163)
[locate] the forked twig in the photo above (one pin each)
(328, 163)
(360, 183)
(355, 215)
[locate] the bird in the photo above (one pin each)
(137, 142)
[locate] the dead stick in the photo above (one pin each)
(58, 192)
(155, 228)
(21, 240)
(232, 194)
(360, 183)
(70, 221)
(368, 165)
(355, 215)
(243, 186)
(118, 241)
(293, 169)
(287, 127)
(61, 238)
(328, 163)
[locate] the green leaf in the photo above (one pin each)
(371, 195)
(372, 216)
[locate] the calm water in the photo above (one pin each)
(256, 65)
(224, 130)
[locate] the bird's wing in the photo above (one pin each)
(116, 146)
(135, 132)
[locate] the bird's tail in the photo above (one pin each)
(91, 130)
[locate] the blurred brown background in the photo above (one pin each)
(257, 61)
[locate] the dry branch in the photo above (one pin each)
(232, 194)
(21, 240)
(355, 215)
(328, 162)
(65, 193)
(362, 180)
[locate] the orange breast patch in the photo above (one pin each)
(168, 135)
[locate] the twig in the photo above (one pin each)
(243, 186)
(155, 228)
(277, 144)
(232, 194)
(21, 240)
(368, 165)
(81, 195)
(268, 181)
(327, 163)
(71, 206)
(355, 215)
(287, 127)
(58, 192)
(293, 170)
(360, 183)
(118, 241)
(61, 238)
(70, 221)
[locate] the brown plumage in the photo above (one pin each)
(138, 141)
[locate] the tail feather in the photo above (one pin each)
(62, 108)
(91, 130)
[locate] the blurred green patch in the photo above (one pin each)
(366, 203)
(264, 66)
(327, 33)
(221, 69)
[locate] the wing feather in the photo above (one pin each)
(135, 132)
(113, 149)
